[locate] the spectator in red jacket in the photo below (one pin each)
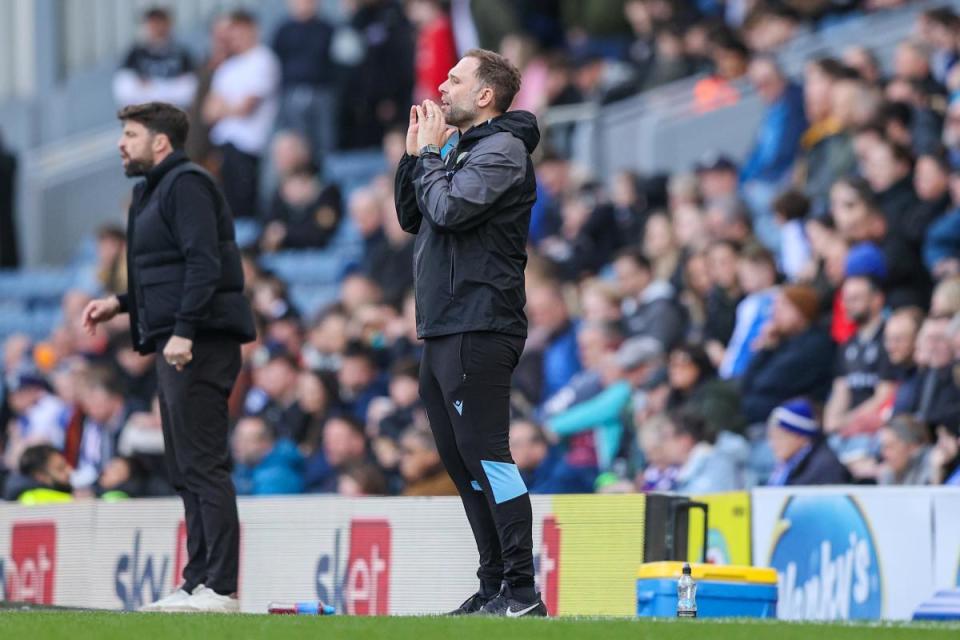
(436, 51)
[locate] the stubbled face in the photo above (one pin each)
(460, 93)
(136, 149)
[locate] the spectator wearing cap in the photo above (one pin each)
(44, 477)
(930, 394)
(904, 451)
(702, 467)
(802, 454)
(263, 464)
(794, 355)
(757, 277)
(861, 383)
(39, 415)
(859, 219)
(543, 467)
(649, 306)
(941, 245)
(776, 143)
(635, 367)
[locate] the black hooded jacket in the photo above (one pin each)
(471, 215)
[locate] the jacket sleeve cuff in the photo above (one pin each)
(124, 301)
(184, 330)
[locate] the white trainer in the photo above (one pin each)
(176, 601)
(209, 601)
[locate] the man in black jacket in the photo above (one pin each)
(470, 209)
(185, 299)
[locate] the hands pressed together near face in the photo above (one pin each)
(427, 126)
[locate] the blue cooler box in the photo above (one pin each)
(722, 591)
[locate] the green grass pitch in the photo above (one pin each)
(84, 625)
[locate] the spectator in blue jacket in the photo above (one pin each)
(776, 145)
(794, 357)
(544, 469)
(552, 345)
(941, 246)
(263, 465)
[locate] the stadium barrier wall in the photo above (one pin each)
(842, 552)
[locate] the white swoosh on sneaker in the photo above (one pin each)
(517, 614)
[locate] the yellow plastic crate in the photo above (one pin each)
(713, 572)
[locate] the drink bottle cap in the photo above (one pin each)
(686, 568)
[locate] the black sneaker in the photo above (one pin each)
(472, 605)
(504, 604)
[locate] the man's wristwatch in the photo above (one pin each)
(430, 148)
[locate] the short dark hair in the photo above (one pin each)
(244, 17)
(499, 74)
(159, 118)
(157, 13)
(352, 423)
(792, 205)
(690, 423)
(834, 69)
(34, 459)
(405, 368)
(755, 253)
(899, 112)
(636, 255)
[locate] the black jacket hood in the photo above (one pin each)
(520, 124)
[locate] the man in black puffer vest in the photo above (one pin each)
(185, 300)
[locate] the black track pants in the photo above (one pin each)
(193, 408)
(465, 387)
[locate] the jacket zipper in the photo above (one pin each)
(453, 269)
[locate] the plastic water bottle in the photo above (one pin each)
(686, 594)
(313, 608)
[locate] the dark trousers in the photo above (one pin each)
(465, 387)
(240, 176)
(193, 409)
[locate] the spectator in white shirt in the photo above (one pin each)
(156, 69)
(241, 109)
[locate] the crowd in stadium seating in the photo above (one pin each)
(791, 319)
